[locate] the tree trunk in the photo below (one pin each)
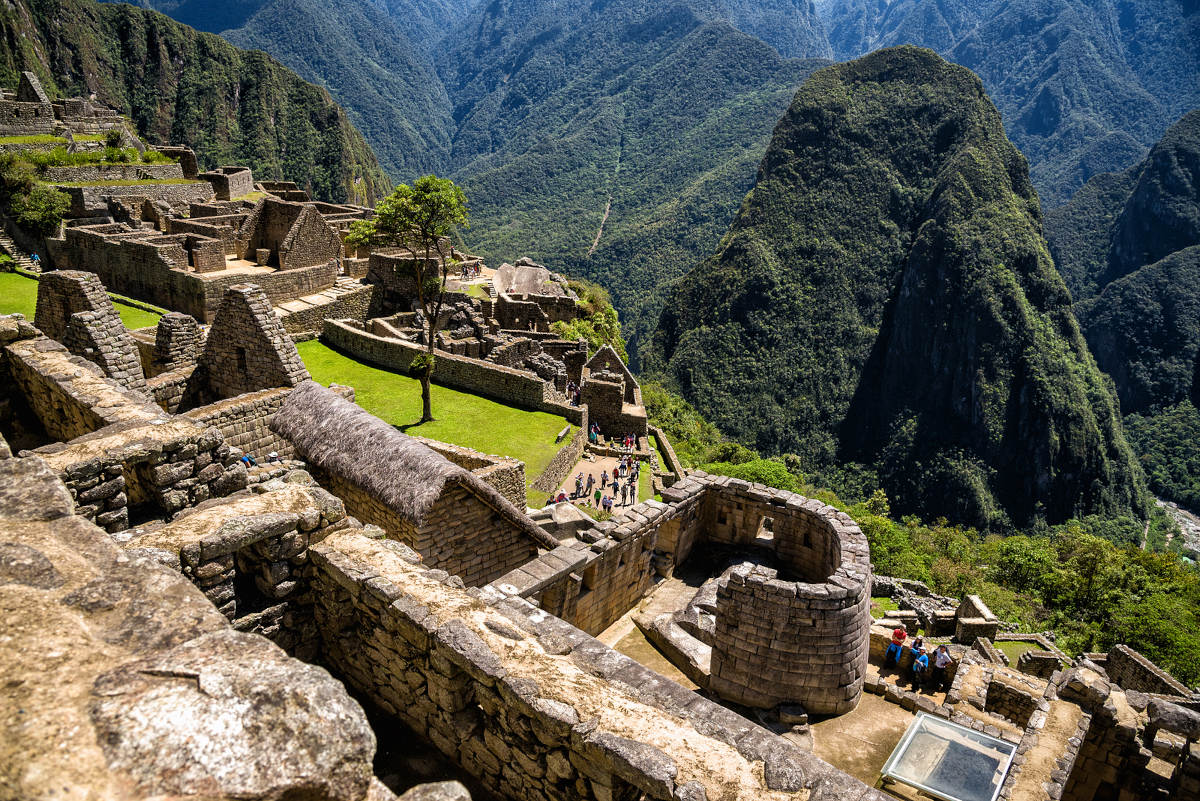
(426, 402)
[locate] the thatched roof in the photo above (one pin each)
(342, 438)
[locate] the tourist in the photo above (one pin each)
(603, 479)
(941, 661)
(248, 460)
(624, 494)
(37, 261)
(591, 482)
(272, 457)
(892, 656)
(596, 496)
(920, 666)
(579, 485)
(562, 497)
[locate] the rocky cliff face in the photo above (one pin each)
(1131, 242)
(885, 295)
(183, 87)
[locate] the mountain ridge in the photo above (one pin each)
(884, 295)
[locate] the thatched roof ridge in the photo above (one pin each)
(340, 437)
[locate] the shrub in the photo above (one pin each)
(41, 210)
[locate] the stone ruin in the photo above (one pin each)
(29, 112)
(166, 606)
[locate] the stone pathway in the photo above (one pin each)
(595, 467)
(343, 286)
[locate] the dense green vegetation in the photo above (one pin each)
(619, 147)
(598, 322)
(1168, 444)
(35, 206)
(376, 59)
(467, 420)
(1129, 244)
(885, 297)
(182, 87)
(1085, 86)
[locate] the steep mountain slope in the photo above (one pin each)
(613, 140)
(180, 86)
(1084, 87)
(885, 296)
(359, 52)
(1130, 243)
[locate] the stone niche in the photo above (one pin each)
(797, 633)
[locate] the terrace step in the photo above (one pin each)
(19, 256)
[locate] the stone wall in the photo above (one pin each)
(245, 422)
(531, 706)
(1011, 699)
(1132, 671)
(25, 119)
(230, 182)
(71, 396)
(974, 619)
(90, 201)
(161, 466)
(88, 173)
(156, 273)
(565, 460)
(246, 350)
(479, 547)
(514, 387)
(355, 304)
(505, 475)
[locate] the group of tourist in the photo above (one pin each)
(573, 396)
(928, 670)
(470, 271)
(619, 489)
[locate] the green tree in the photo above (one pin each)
(417, 219)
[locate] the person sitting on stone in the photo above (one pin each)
(272, 457)
(920, 666)
(892, 656)
(248, 460)
(562, 497)
(941, 661)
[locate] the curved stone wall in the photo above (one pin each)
(799, 634)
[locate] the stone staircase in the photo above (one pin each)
(19, 256)
(491, 290)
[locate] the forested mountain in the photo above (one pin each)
(885, 296)
(372, 56)
(1085, 86)
(614, 142)
(1129, 245)
(183, 87)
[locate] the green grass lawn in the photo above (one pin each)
(463, 419)
(35, 139)
(18, 295)
(1014, 648)
(880, 606)
(147, 182)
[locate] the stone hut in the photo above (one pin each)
(289, 236)
(247, 349)
(455, 521)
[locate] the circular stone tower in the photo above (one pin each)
(798, 634)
